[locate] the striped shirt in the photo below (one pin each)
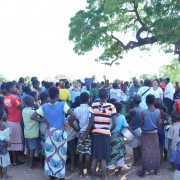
(102, 117)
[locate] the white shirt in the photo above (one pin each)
(157, 93)
(173, 134)
(115, 93)
(169, 91)
(82, 115)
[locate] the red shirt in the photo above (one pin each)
(11, 103)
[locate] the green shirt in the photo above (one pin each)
(94, 92)
(31, 127)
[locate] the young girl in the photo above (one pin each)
(118, 151)
(4, 139)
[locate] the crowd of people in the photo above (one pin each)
(85, 123)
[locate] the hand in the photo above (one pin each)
(93, 77)
(66, 126)
(104, 77)
(83, 139)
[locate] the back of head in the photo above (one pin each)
(28, 101)
(175, 116)
(158, 103)
(43, 83)
(53, 92)
(150, 99)
(35, 82)
(103, 93)
(3, 86)
(26, 89)
(33, 94)
(112, 100)
(84, 98)
(147, 82)
(118, 106)
(43, 96)
(21, 80)
(94, 85)
(137, 99)
(115, 85)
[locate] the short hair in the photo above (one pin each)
(21, 79)
(35, 82)
(9, 85)
(175, 116)
(147, 82)
(34, 78)
(3, 86)
(168, 79)
(76, 103)
(150, 99)
(53, 92)
(28, 101)
(84, 97)
(57, 84)
(26, 89)
(33, 93)
(115, 85)
(1, 113)
(47, 85)
(112, 100)
(137, 99)
(103, 93)
(93, 85)
(43, 96)
(118, 106)
(43, 83)
(158, 103)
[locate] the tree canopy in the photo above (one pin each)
(3, 78)
(104, 23)
(171, 71)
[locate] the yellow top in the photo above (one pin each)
(64, 95)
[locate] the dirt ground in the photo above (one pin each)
(22, 173)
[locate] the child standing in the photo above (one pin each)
(31, 130)
(174, 137)
(118, 151)
(134, 122)
(150, 152)
(177, 172)
(4, 139)
(101, 115)
(84, 148)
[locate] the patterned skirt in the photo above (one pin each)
(55, 153)
(150, 152)
(84, 147)
(16, 140)
(118, 150)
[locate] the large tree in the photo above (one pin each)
(144, 22)
(171, 70)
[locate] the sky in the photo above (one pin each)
(34, 42)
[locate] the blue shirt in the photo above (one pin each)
(120, 123)
(151, 120)
(74, 94)
(54, 113)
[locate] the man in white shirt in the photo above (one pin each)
(168, 95)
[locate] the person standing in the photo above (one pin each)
(101, 115)
(168, 96)
(156, 90)
(150, 152)
(56, 137)
(14, 108)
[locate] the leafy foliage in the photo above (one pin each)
(171, 70)
(27, 80)
(148, 76)
(3, 78)
(105, 22)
